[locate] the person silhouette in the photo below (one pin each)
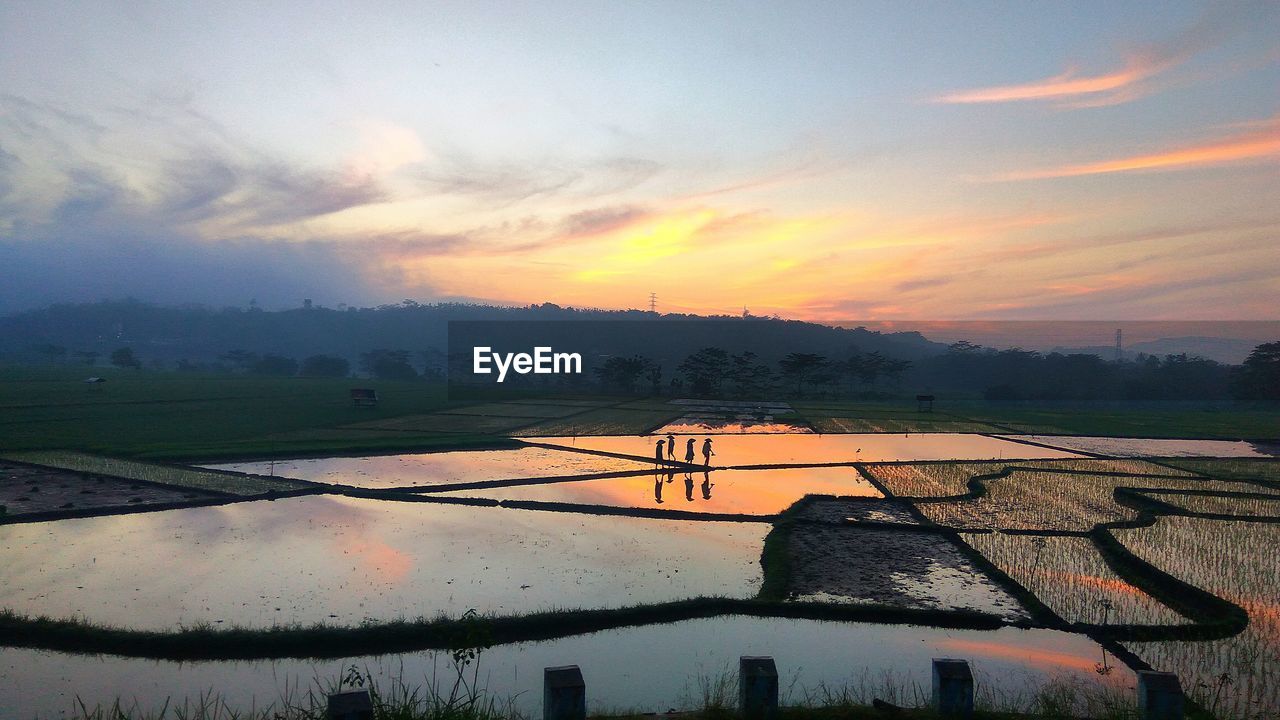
(707, 452)
(671, 446)
(657, 451)
(688, 487)
(657, 488)
(688, 451)
(706, 485)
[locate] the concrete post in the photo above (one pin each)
(564, 694)
(757, 688)
(350, 705)
(1159, 696)
(952, 687)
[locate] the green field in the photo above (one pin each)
(179, 416)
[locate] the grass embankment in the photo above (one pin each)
(164, 474)
(324, 641)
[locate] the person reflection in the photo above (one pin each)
(671, 474)
(657, 488)
(706, 485)
(688, 487)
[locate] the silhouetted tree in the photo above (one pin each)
(239, 359)
(800, 367)
(388, 364)
(325, 366)
(276, 365)
(124, 358)
(705, 370)
(1259, 377)
(621, 373)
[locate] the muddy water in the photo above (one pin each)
(752, 492)
(384, 471)
(738, 450)
(343, 560)
(662, 670)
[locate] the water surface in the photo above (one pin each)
(344, 560)
(662, 670)
(737, 450)
(753, 492)
(438, 468)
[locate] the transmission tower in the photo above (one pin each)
(1119, 346)
(653, 302)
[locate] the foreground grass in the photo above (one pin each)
(459, 697)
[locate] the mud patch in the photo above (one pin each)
(26, 489)
(845, 563)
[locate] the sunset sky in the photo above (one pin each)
(833, 161)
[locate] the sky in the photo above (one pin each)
(824, 161)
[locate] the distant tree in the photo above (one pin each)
(621, 373)
(751, 379)
(240, 359)
(800, 367)
(124, 358)
(325, 366)
(1259, 377)
(276, 365)
(434, 364)
(53, 353)
(705, 370)
(388, 364)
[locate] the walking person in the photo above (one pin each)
(658, 450)
(688, 451)
(671, 446)
(707, 452)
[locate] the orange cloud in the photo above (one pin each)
(1066, 85)
(1261, 142)
(1218, 24)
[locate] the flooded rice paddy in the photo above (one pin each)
(1236, 561)
(808, 449)
(748, 492)
(344, 561)
(666, 667)
(442, 468)
(1152, 447)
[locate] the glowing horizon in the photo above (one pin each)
(795, 161)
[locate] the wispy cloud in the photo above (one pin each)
(1259, 141)
(1135, 77)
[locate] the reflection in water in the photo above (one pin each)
(740, 450)
(754, 492)
(343, 560)
(383, 471)
(688, 487)
(1007, 663)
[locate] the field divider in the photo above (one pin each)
(398, 636)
